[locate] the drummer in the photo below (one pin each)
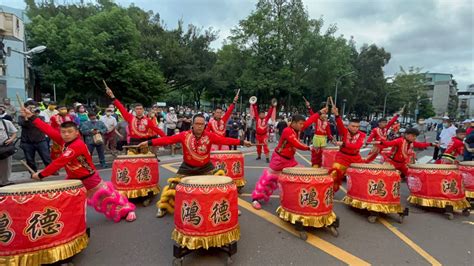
(380, 133)
(322, 134)
(282, 157)
(218, 123)
(140, 127)
(454, 149)
(77, 161)
(349, 152)
(196, 144)
(261, 129)
(402, 149)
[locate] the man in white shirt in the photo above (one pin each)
(111, 124)
(49, 112)
(446, 135)
(7, 137)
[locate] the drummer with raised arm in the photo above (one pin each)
(196, 144)
(77, 161)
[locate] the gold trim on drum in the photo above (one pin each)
(40, 187)
(142, 192)
(136, 156)
(469, 194)
(49, 255)
(460, 204)
(205, 181)
(433, 166)
(467, 163)
(306, 220)
(305, 171)
(375, 207)
(240, 182)
(370, 166)
(226, 152)
(195, 242)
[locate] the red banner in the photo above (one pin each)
(206, 210)
(305, 194)
(232, 163)
(435, 183)
(380, 186)
(135, 173)
(41, 217)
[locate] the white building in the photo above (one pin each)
(441, 88)
(466, 102)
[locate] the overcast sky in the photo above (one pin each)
(436, 35)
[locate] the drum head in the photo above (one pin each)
(433, 166)
(226, 152)
(305, 171)
(467, 163)
(137, 156)
(41, 186)
(372, 166)
(206, 180)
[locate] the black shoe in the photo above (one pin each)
(268, 160)
(258, 158)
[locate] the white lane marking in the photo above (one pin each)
(424, 159)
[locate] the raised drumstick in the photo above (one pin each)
(105, 83)
(27, 167)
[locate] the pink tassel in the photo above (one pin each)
(111, 203)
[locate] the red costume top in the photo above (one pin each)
(455, 148)
(351, 144)
(469, 130)
(196, 151)
(289, 140)
(262, 124)
(322, 127)
(219, 126)
(139, 128)
(56, 120)
(380, 134)
(75, 157)
(402, 149)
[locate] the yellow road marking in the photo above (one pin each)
(169, 167)
(313, 240)
(409, 242)
(468, 222)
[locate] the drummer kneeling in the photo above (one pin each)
(399, 157)
(78, 164)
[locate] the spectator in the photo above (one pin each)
(171, 122)
(234, 128)
(93, 131)
(7, 137)
(3, 113)
(122, 134)
(308, 135)
(50, 111)
(364, 125)
(446, 135)
(81, 113)
(282, 124)
(110, 137)
(32, 140)
(10, 109)
(72, 113)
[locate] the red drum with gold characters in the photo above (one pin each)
(42, 222)
(375, 187)
(329, 156)
(467, 174)
(436, 185)
(136, 175)
(232, 163)
(206, 212)
(306, 196)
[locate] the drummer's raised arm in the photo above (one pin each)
(48, 130)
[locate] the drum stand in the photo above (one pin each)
(179, 253)
(449, 212)
(374, 215)
(304, 235)
(148, 199)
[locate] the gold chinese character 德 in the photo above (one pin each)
(43, 224)
(220, 212)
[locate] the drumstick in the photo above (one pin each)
(27, 167)
(332, 103)
(105, 83)
(20, 102)
(327, 104)
(118, 133)
(304, 98)
(131, 146)
(238, 91)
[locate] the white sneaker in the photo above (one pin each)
(256, 205)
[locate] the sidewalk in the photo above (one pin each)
(20, 175)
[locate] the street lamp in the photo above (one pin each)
(337, 82)
(389, 81)
(418, 100)
(35, 50)
(343, 107)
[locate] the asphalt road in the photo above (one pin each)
(425, 237)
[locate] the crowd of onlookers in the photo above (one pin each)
(108, 122)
